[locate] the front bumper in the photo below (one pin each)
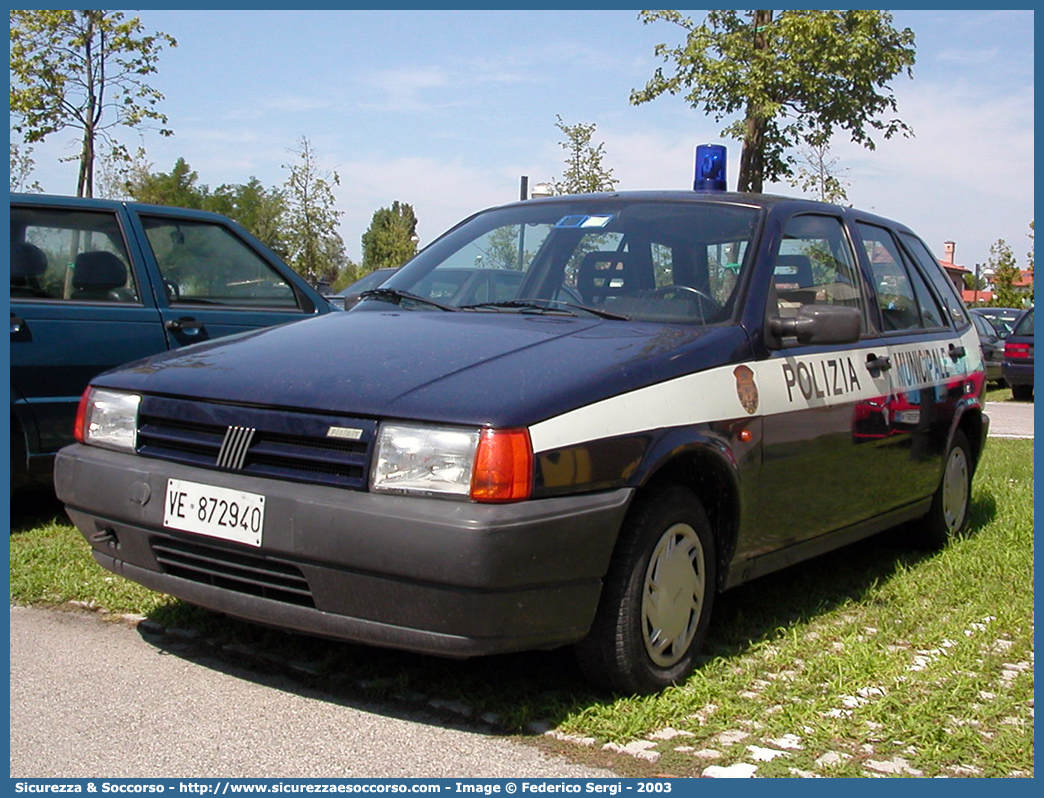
(430, 575)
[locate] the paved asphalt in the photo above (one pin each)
(91, 699)
(1010, 419)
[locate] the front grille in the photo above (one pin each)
(283, 445)
(233, 570)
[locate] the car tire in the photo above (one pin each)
(951, 504)
(657, 596)
(1023, 393)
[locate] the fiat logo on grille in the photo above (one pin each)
(235, 447)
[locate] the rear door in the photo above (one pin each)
(929, 362)
(79, 306)
(213, 279)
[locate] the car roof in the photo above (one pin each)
(749, 199)
(94, 203)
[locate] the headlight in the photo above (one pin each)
(425, 459)
(108, 419)
(485, 465)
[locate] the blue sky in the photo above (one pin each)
(447, 109)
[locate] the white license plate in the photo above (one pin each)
(217, 512)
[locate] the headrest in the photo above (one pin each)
(99, 271)
(27, 260)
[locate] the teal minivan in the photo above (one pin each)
(99, 283)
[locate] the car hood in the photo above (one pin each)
(500, 369)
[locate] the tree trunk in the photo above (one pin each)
(752, 159)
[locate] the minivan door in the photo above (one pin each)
(79, 307)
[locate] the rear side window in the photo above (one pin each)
(903, 296)
(946, 290)
(204, 263)
(73, 255)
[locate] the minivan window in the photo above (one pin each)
(71, 255)
(203, 263)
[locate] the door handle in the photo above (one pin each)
(186, 325)
(957, 352)
(877, 364)
(16, 324)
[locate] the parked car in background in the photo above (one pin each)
(651, 398)
(98, 283)
(349, 296)
(990, 343)
(1001, 318)
(1018, 357)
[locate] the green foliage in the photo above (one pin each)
(82, 70)
(314, 247)
(1005, 274)
(391, 238)
(22, 165)
(816, 173)
(795, 78)
(585, 173)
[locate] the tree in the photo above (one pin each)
(1005, 274)
(391, 238)
(817, 173)
(584, 172)
(794, 78)
(22, 165)
(260, 210)
(314, 247)
(179, 187)
(83, 70)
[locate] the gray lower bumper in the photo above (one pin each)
(443, 577)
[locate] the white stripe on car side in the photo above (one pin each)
(784, 385)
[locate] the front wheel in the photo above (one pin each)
(657, 598)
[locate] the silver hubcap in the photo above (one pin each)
(955, 490)
(672, 599)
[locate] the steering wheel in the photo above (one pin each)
(172, 290)
(665, 291)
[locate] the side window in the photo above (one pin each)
(903, 296)
(204, 263)
(70, 255)
(815, 266)
(946, 290)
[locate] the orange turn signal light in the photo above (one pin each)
(503, 469)
(79, 433)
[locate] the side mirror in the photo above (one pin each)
(819, 324)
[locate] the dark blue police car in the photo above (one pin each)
(683, 391)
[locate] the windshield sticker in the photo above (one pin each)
(585, 221)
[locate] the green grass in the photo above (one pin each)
(877, 653)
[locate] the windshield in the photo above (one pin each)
(644, 260)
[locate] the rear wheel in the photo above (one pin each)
(948, 516)
(1023, 393)
(657, 598)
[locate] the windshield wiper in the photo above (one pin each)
(549, 305)
(395, 296)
